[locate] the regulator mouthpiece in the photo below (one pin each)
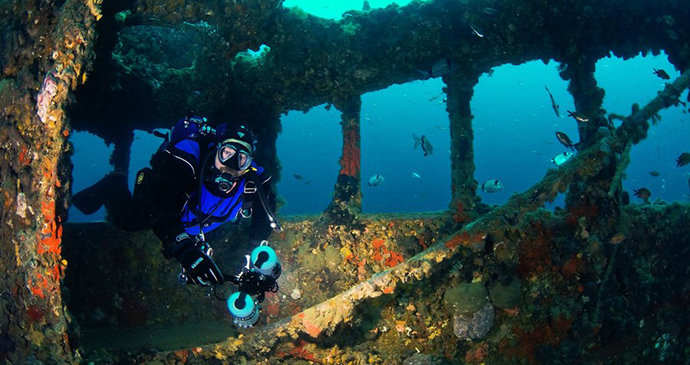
(245, 312)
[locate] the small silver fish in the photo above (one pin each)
(376, 180)
(414, 174)
(492, 186)
(553, 102)
(562, 158)
(490, 11)
(475, 31)
(424, 142)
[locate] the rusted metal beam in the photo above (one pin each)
(31, 230)
(347, 197)
(460, 89)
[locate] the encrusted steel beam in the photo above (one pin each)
(460, 88)
(35, 183)
(347, 197)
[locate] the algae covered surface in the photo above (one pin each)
(602, 279)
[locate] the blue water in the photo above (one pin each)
(514, 129)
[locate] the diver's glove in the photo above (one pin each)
(199, 267)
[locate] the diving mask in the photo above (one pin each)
(235, 154)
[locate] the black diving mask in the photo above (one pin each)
(235, 154)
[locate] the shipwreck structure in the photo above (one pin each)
(600, 281)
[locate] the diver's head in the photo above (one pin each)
(235, 151)
(232, 158)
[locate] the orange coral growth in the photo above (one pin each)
(23, 156)
(312, 329)
(50, 239)
(377, 243)
(40, 284)
(460, 215)
(50, 236)
(456, 240)
(394, 259)
(300, 352)
(48, 210)
(465, 239)
(388, 290)
(350, 160)
(377, 256)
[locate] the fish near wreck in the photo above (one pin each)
(662, 74)
(562, 158)
(579, 117)
(492, 186)
(553, 102)
(565, 140)
(376, 180)
(424, 142)
(644, 194)
(683, 159)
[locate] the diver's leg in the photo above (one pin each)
(89, 200)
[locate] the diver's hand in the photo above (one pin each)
(199, 267)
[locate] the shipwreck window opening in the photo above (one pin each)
(515, 126)
(334, 10)
(657, 154)
(412, 182)
(308, 149)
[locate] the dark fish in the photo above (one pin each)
(683, 159)
(644, 194)
(654, 173)
(662, 74)
(565, 140)
(424, 142)
(442, 67)
(553, 102)
(298, 177)
(307, 182)
(579, 117)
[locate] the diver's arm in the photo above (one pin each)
(175, 182)
(260, 227)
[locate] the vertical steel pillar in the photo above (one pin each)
(460, 89)
(347, 198)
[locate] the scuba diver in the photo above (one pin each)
(200, 178)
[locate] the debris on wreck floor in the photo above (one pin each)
(545, 293)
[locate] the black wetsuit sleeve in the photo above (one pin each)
(260, 227)
(175, 181)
